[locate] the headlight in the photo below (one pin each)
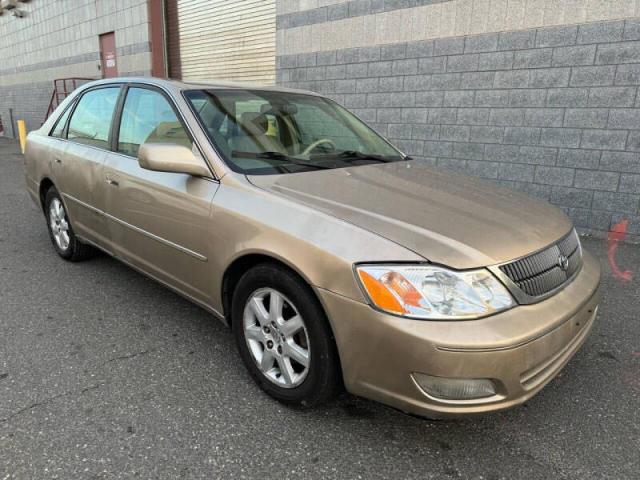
(430, 292)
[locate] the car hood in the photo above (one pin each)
(445, 217)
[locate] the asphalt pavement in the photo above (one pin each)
(106, 374)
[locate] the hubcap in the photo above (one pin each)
(59, 224)
(277, 337)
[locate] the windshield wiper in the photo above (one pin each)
(280, 157)
(356, 155)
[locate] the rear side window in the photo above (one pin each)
(147, 116)
(58, 130)
(91, 119)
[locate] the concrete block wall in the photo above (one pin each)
(552, 111)
(60, 40)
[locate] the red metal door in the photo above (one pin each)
(108, 55)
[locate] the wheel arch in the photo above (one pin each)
(243, 263)
(45, 185)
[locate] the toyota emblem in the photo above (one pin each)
(563, 262)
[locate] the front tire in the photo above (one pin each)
(284, 337)
(61, 233)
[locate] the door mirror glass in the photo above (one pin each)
(168, 157)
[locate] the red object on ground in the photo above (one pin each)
(617, 234)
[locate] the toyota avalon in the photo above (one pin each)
(336, 260)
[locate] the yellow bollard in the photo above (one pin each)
(22, 133)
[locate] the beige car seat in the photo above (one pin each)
(253, 135)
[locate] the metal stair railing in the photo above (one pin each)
(62, 87)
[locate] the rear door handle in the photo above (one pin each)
(113, 182)
(58, 160)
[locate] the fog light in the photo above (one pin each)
(455, 388)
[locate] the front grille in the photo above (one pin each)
(541, 273)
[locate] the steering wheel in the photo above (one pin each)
(317, 143)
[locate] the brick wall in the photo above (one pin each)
(550, 111)
(60, 40)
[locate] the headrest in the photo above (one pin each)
(288, 108)
(255, 123)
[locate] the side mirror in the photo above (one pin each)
(169, 157)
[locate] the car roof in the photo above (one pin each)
(178, 85)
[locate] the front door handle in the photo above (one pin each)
(58, 160)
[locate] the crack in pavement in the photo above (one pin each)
(127, 357)
(65, 394)
(50, 400)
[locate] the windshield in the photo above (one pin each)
(263, 132)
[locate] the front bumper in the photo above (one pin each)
(520, 349)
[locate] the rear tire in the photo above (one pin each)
(287, 346)
(61, 233)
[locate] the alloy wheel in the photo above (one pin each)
(59, 224)
(277, 337)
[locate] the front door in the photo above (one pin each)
(108, 55)
(158, 221)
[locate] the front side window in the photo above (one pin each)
(91, 120)
(147, 116)
(266, 132)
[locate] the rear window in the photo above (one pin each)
(58, 130)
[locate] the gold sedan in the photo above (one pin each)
(336, 259)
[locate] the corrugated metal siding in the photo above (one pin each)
(222, 39)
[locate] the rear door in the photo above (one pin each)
(158, 221)
(79, 169)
